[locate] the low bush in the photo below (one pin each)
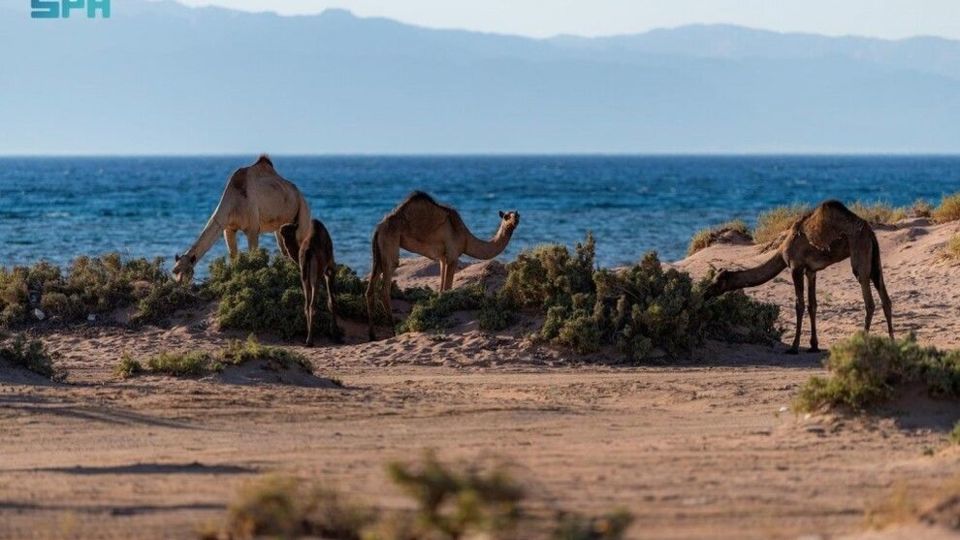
(773, 222)
(258, 293)
(284, 507)
(706, 237)
(432, 312)
(30, 354)
(953, 247)
(612, 526)
(637, 310)
(866, 370)
(450, 502)
(200, 363)
(91, 285)
(455, 502)
(955, 433)
(949, 209)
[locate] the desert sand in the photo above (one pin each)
(706, 447)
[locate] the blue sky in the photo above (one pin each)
(878, 18)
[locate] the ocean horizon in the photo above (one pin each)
(56, 208)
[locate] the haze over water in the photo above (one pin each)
(60, 208)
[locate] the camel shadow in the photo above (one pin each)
(40, 405)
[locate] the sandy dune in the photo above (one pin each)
(702, 449)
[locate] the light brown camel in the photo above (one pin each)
(314, 255)
(423, 226)
(256, 200)
(827, 235)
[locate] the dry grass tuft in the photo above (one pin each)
(879, 213)
(772, 223)
(706, 237)
(949, 209)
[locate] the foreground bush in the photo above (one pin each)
(953, 247)
(200, 363)
(773, 222)
(450, 502)
(30, 354)
(867, 370)
(637, 310)
(258, 293)
(706, 237)
(91, 285)
(949, 209)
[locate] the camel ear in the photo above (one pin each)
(502, 215)
(176, 258)
(193, 259)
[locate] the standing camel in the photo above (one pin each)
(827, 235)
(314, 255)
(423, 226)
(256, 200)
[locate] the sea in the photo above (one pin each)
(58, 208)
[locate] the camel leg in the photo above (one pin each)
(253, 240)
(386, 283)
(230, 236)
(884, 299)
(279, 241)
(371, 297)
(812, 309)
(309, 295)
(443, 275)
(448, 275)
(798, 287)
(868, 303)
(330, 277)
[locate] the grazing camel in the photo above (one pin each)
(827, 235)
(314, 255)
(423, 226)
(256, 200)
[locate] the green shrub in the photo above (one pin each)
(637, 310)
(773, 222)
(94, 285)
(949, 209)
(128, 367)
(30, 354)
(866, 370)
(260, 294)
(199, 363)
(706, 237)
(456, 503)
(433, 313)
(612, 526)
(878, 212)
(497, 312)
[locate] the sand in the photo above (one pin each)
(706, 448)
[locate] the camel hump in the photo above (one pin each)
(420, 196)
(829, 222)
(264, 160)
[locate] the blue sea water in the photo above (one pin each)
(59, 208)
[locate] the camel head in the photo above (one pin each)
(718, 285)
(183, 268)
(509, 220)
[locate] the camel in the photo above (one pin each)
(423, 226)
(256, 200)
(314, 255)
(827, 235)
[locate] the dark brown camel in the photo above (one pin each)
(827, 235)
(314, 255)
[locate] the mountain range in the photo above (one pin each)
(163, 78)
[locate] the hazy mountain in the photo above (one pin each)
(159, 77)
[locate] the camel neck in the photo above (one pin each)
(488, 249)
(757, 275)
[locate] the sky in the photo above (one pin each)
(890, 19)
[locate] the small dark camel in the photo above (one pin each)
(827, 235)
(314, 255)
(423, 226)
